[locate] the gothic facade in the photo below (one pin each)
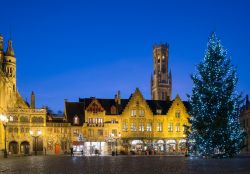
(21, 117)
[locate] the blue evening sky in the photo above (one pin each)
(71, 49)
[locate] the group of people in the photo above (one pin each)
(96, 152)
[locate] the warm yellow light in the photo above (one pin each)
(31, 132)
(3, 118)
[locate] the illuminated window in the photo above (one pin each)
(76, 120)
(100, 121)
(114, 132)
(125, 126)
(158, 111)
(178, 128)
(133, 127)
(141, 127)
(133, 113)
(13, 119)
(113, 121)
(91, 132)
(141, 112)
(170, 127)
(149, 127)
(159, 127)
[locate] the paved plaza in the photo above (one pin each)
(123, 165)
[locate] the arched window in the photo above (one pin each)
(141, 113)
(24, 119)
(113, 110)
(76, 120)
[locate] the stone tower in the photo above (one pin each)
(9, 64)
(161, 80)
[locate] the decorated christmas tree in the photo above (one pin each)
(215, 104)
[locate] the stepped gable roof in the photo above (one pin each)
(78, 108)
(159, 104)
(106, 104)
(75, 108)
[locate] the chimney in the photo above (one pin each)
(115, 98)
(32, 103)
(119, 98)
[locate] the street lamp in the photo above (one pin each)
(119, 136)
(4, 120)
(36, 136)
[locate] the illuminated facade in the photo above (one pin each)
(92, 125)
(22, 118)
(133, 125)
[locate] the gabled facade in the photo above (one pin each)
(133, 125)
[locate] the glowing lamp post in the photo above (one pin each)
(36, 136)
(119, 136)
(4, 120)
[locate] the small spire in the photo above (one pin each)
(1, 42)
(170, 74)
(10, 50)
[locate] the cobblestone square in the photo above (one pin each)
(122, 165)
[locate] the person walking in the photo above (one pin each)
(71, 151)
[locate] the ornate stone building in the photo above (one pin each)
(22, 118)
(161, 80)
(91, 125)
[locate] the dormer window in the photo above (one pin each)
(113, 110)
(158, 111)
(76, 120)
(177, 114)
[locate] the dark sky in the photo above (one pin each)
(71, 49)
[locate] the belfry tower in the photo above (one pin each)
(161, 80)
(9, 64)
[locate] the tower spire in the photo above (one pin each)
(10, 50)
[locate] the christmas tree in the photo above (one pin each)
(215, 104)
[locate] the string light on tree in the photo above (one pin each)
(215, 104)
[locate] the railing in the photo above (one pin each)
(27, 110)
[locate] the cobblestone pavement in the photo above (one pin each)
(123, 165)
